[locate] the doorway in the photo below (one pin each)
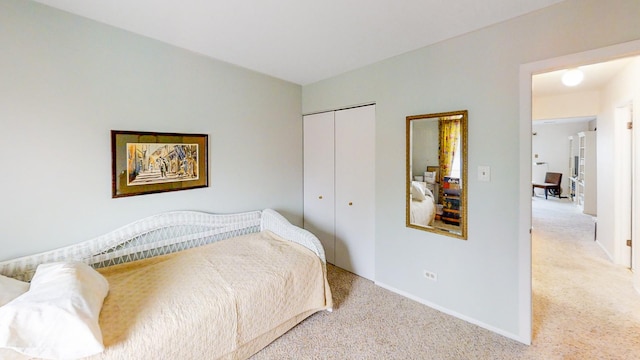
(525, 156)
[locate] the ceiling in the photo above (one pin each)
(595, 77)
(301, 41)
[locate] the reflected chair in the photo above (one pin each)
(550, 185)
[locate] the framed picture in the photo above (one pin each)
(152, 162)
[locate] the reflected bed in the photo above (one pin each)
(423, 208)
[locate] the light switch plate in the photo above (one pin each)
(484, 173)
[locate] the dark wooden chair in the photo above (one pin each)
(550, 185)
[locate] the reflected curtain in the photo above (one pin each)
(449, 130)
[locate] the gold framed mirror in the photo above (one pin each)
(436, 186)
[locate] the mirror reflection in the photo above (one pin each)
(437, 173)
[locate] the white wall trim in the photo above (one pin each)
(635, 224)
(454, 314)
(609, 255)
(622, 155)
(525, 306)
(524, 239)
(342, 108)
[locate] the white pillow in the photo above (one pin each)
(427, 192)
(430, 177)
(417, 193)
(11, 289)
(58, 317)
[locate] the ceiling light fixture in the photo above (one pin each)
(572, 77)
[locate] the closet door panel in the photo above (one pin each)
(319, 193)
(355, 190)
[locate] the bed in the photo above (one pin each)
(186, 285)
(422, 208)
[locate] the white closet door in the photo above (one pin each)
(355, 190)
(319, 194)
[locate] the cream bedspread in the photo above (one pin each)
(422, 212)
(226, 300)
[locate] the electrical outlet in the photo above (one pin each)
(430, 275)
(484, 173)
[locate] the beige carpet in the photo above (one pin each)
(584, 308)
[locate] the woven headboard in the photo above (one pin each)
(162, 234)
(272, 220)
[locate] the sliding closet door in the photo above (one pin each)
(318, 170)
(355, 190)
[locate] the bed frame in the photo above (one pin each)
(163, 234)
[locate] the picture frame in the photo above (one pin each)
(144, 162)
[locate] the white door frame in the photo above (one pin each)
(524, 221)
(635, 188)
(622, 189)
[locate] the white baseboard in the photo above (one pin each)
(606, 252)
(455, 314)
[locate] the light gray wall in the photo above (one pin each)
(65, 82)
(477, 279)
(425, 150)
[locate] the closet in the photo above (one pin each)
(339, 185)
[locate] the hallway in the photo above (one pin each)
(578, 294)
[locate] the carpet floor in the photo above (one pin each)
(584, 307)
